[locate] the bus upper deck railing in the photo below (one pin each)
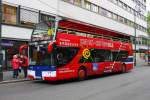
(85, 34)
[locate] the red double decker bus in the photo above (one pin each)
(68, 49)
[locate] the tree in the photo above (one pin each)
(148, 22)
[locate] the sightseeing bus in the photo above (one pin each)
(66, 49)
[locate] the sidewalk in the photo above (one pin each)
(139, 61)
(7, 77)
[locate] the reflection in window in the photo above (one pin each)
(9, 14)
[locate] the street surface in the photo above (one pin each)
(134, 85)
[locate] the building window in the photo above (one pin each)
(125, 21)
(136, 26)
(128, 9)
(120, 3)
(28, 17)
(9, 14)
(129, 22)
(45, 17)
(115, 17)
(125, 6)
(145, 18)
(103, 12)
(132, 24)
(71, 1)
(87, 5)
(77, 2)
(121, 19)
(115, 1)
(132, 11)
(109, 14)
(94, 8)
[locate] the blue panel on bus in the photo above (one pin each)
(43, 68)
(38, 69)
(128, 60)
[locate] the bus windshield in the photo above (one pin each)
(40, 56)
(60, 56)
(43, 31)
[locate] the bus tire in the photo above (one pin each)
(123, 67)
(82, 73)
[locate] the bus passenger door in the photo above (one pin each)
(101, 61)
(104, 67)
(118, 59)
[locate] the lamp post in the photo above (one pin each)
(1, 56)
(148, 52)
(135, 33)
(135, 37)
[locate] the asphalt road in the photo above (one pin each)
(134, 85)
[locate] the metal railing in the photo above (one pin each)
(93, 35)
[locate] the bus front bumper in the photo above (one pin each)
(41, 73)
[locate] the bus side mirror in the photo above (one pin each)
(50, 47)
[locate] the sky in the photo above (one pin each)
(148, 4)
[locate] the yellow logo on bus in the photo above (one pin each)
(86, 53)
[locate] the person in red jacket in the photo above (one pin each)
(15, 65)
(24, 64)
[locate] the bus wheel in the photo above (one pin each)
(82, 75)
(123, 68)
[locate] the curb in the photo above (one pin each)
(14, 81)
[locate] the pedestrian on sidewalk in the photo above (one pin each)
(24, 64)
(15, 65)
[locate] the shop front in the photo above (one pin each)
(10, 48)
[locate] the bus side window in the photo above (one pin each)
(97, 55)
(102, 55)
(65, 54)
(119, 55)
